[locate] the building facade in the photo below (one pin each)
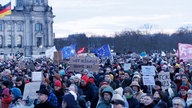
(29, 29)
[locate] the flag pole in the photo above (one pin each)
(11, 34)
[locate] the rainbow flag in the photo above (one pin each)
(5, 10)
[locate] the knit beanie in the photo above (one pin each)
(58, 83)
(85, 78)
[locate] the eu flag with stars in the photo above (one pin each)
(103, 51)
(69, 51)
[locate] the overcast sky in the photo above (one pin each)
(106, 17)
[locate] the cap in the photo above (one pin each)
(43, 91)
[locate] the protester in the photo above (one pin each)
(43, 99)
(20, 84)
(132, 101)
(136, 89)
(6, 98)
(85, 88)
(178, 103)
(106, 97)
(91, 94)
(59, 92)
(148, 101)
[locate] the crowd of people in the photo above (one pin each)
(110, 87)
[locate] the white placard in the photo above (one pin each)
(148, 80)
(148, 70)
(127, 66)
(37, 76)
(164, 77)
(30, 90)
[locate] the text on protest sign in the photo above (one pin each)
(30, 90)
(164, 77)
(148, 80)
(148, 70)
(78, 63)
(37, 76)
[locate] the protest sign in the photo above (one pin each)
(30, 90)
(37, 76)
(148, 80)
(148, 70)
(78, 63)
(57, 57)
(127, 66)
(164, 77)
(30, 66)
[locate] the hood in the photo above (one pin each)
(16, 92)
(6, 92)
(108, 89)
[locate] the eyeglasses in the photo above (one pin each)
(176, 104)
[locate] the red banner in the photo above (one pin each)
(81, 50)
(184, 51)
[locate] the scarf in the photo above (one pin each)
(129, 97)
(7, 100)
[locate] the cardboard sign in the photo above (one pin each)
(148, 80)
(30, 66)
(164, 77)
(30, 90)
(148, 70)
(78, 63)
(37, 76)
(127, 66)
(57, 57)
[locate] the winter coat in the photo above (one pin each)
(70, 100)
(21, 87)
(91, 94)
(59, 94)
(44, 105)
(133, 102)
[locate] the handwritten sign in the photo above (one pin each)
(78, 63)
(164, 77)
(30, 90)
(148, 70)
(148, 80)
(127, 66)
(37, 76)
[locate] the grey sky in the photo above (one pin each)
(106, 17)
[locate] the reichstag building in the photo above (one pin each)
(29, 29)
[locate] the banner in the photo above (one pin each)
(78, 63)
(184, 51)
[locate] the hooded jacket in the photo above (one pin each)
(103, 103)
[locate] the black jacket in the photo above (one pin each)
(44, 105)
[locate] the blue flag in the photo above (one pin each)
(103, 51)
(69, 51)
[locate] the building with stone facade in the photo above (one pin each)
(29, 29)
